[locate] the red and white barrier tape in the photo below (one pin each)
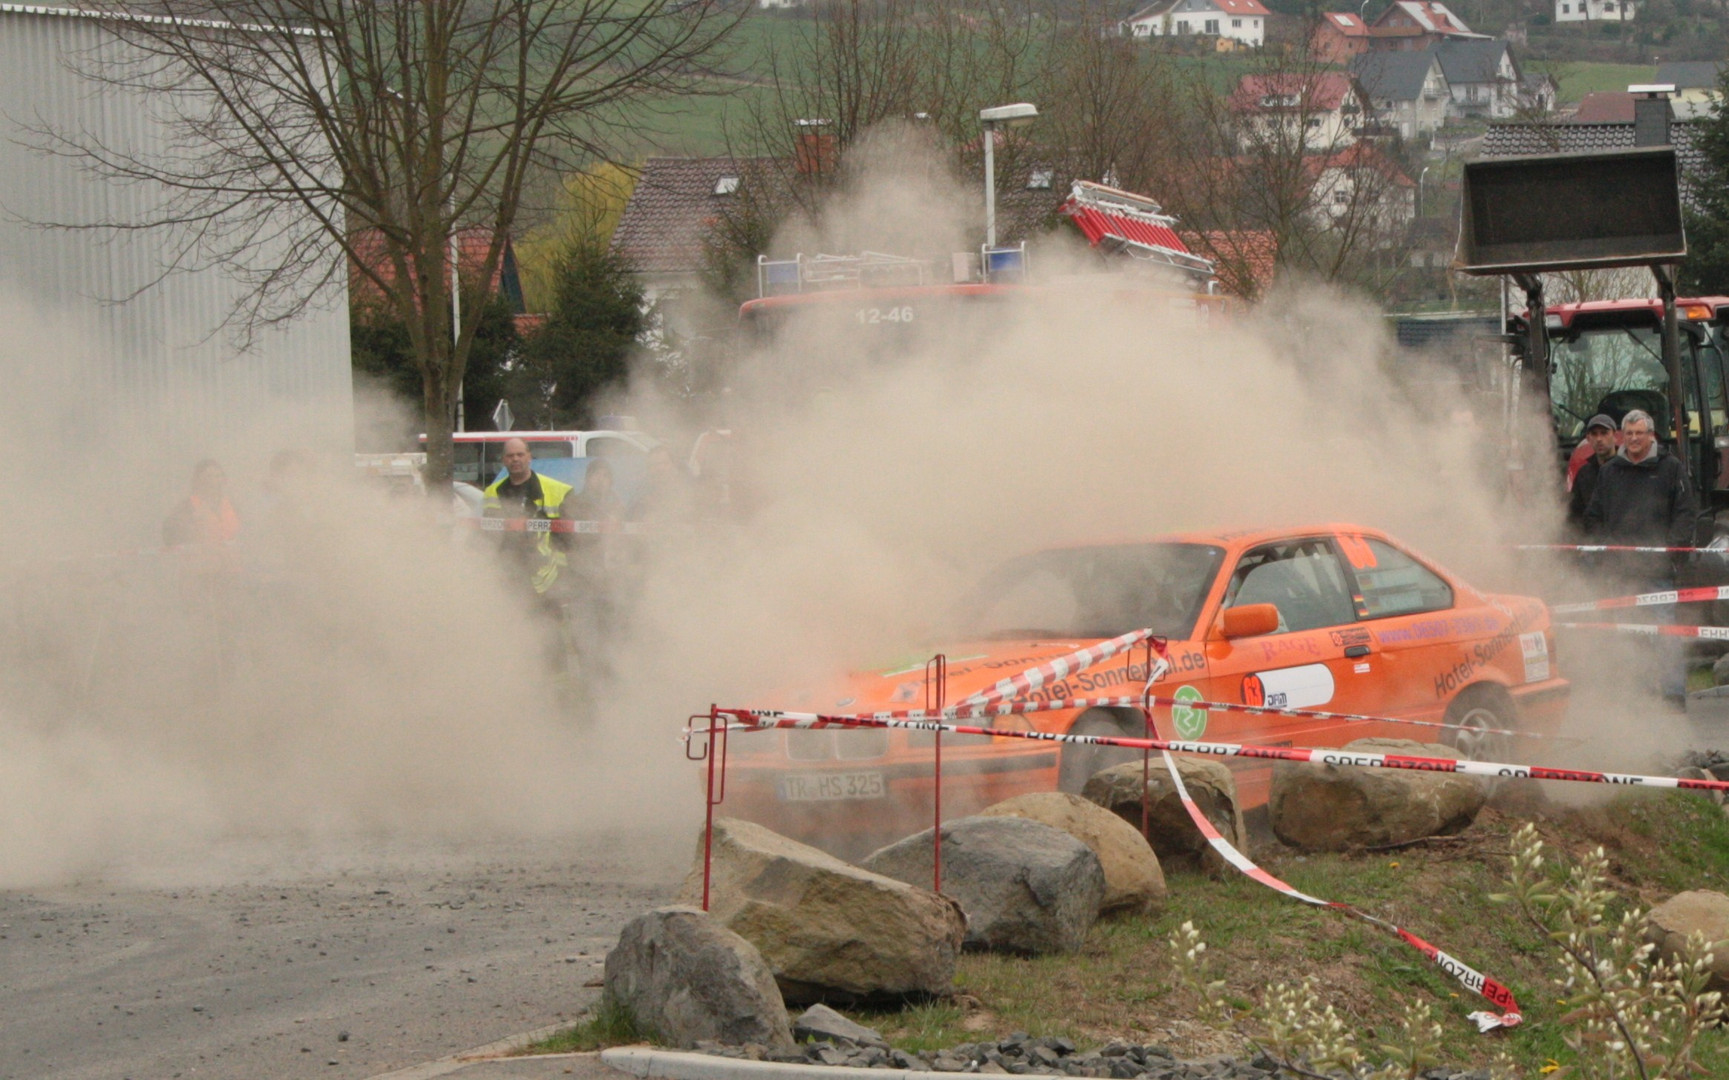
(1063, 666)
(554, 525)
(1654, 599)
(1591, 548)
(775, 718)
(1021, 706)
(1490, 989)
(1710, 633)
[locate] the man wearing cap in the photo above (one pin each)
(1600, 433)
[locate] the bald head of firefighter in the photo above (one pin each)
(518, 462)
(523, 493)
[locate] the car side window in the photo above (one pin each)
(1302, 578)
(1391, 582)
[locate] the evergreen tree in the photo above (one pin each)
(584, 345)
(1706, 271)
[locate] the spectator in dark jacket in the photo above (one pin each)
(1641, 495)
(1643, 498)
(1600, 433)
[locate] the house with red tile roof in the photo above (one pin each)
(1245, 260)
(1240, 21)
(1418, 24)
(1364, 184)
(1605, 107)
(472, 245)
(1330, 106)
(1338, 36)
(673, 210)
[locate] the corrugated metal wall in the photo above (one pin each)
(158, 367)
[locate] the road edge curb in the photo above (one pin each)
(444, 1066)
(651, 1064)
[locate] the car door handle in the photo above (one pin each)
(1354, 651)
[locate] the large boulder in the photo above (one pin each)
(1701, 911)
(686, 979)
(1320, 807)
(1133, 877)
(1170, 831)
(1025, 887)
(829, 930)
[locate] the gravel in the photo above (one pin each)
(1021, 1054)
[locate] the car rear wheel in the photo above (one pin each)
(1081, 760)
(1480, 711)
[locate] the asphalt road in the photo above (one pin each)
(349, 966)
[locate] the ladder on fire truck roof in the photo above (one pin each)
(1004, 264)
(867, 270)
(1121, 221)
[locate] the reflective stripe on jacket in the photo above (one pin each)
(547, 498)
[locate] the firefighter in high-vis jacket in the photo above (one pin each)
(523, 493)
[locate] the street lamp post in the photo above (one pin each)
(1016, 115)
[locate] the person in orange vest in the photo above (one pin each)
(202, 528)
(205, 516)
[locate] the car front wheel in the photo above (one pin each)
(1479, 712)
(1081, 760)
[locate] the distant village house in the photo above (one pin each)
(1406, 26)
(1414, 25)
(1596, 10)
(1241, 21)
(1328, 105)
(1407, 90)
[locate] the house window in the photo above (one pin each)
(726, 185)
(1040, 180)
(1236, 24)
(1314, 123)
(1610, 6)
(1565, 10)
(1212, 26)
(1341, 198)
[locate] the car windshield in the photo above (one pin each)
(1094, 592)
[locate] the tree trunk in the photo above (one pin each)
(440, 410)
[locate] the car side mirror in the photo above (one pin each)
(1250, 620)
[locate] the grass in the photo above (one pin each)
(1122, 985)
(608, 1024)
(1579, 79)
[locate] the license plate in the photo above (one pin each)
(830, 786)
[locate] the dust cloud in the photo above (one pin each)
(366, 675)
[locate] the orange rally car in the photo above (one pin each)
(1336, 618)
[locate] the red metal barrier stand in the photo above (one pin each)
(1147, 753)
(716, 793)
(936, 692)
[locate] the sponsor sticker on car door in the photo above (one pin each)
(1536, 649)
(1302, 687)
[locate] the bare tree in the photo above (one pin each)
(1286, 169)
(1111, 105)
(854, 65)
(309, 130)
